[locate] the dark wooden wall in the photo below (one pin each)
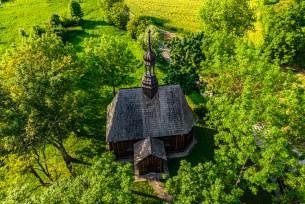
(171, 143)
(150, 164)
(122, 148)
(177, 142)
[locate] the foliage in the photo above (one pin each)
(283, 33)
(296, 190)
(37, 30)
(54, 20)
(136, 26)
(40, 75)
(231, 16)
(115, 12)
(110, 58)
(186, 56)
(207, 187)
(253, 123)
(200, 111)
(59, 31)
(104, 182)
(156, 40)
(75, 10)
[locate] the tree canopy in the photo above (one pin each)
(111, 58)
(104, 182)
(230, 16)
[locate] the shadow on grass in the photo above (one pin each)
(77, 161)
(88, 24)
(145, 194)
(142, 192)
(158, 21)
(202, 152)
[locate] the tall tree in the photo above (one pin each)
(40, 75)
(115, 12)
(186, 57)
(111, 58)
(283, 32)
(256, 111)
(229, 16)
(75, 10)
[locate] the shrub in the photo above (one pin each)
(54, 20)
(37, 30)
(21, 31)
(200, 111)
(59, 31)
(136, 26)
(75, 10)
(115, 12)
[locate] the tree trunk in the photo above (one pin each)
(113, 88)
(44, 170)
(67, 158)
(36, 175)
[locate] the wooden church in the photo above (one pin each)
(149, 122)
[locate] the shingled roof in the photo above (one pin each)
(132, 115)
(149, 146)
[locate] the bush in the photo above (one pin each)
(200, 111)
(59, 31)
(37, 30)
(75, 10)
(54, 20)
(136, 26)
(21, 31)
(115, 12)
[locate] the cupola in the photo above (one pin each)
(149, 80)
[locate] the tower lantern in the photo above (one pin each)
(149, 80)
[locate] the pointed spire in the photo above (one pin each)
(149, 80)
(149, 57)
(148, 46)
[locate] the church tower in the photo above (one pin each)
(149, 80)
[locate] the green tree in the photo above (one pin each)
(40, 75)
(186, 57)
(104, 182)
(54, 20)
(230, 16)
(75, 10)
(110, 59)
(136, 26)
(256, 111)
(115, 12)
(283, 32)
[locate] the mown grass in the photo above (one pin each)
(176, 15)
(25, 14)
(144, 193)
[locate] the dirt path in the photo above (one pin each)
(160, 190)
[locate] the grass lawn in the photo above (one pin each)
(144, 193)
(179, 15)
